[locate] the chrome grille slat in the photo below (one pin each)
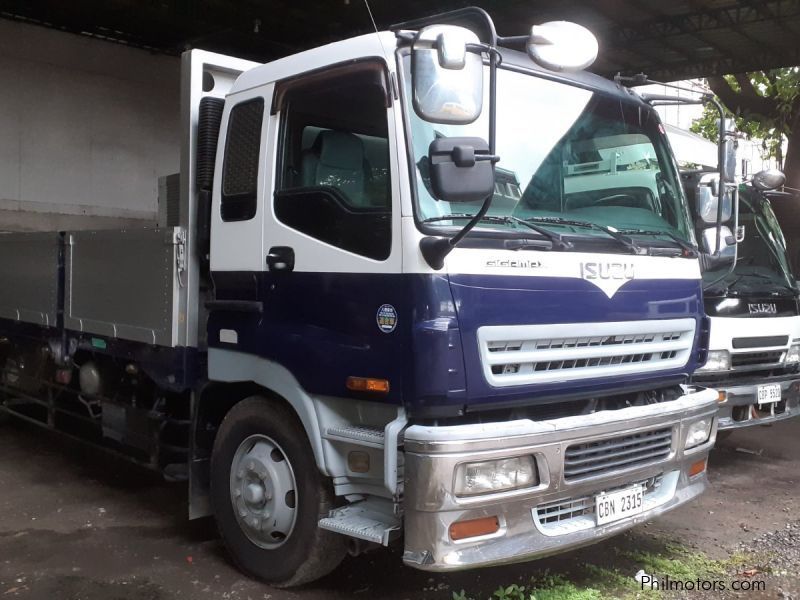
(659, 435)
(755, 359)
(524, 354)
(560, 511)
(664, 444)
(607, 465)
(631, 450)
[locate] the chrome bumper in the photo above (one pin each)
(526, 532)
(741, 408)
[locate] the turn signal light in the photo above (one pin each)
(474, 528)
(364, 384)
(722, 396)
(697, 468)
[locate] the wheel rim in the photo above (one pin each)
(263, 491)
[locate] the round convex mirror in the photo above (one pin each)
(562, 46)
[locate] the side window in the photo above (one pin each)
(240, 170)
(334, 160)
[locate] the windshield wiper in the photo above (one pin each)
(777, 284)
(621, 239)
(690, 250)
(556, 238)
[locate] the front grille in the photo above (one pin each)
(598, 458)
(573, 508)
(760, 342)
(547, 353)
(756, 359)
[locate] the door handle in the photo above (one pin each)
(280, 258)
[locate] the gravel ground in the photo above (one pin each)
(75, 525)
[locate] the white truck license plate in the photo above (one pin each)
(769, 393)
(618, 505)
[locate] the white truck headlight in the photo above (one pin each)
(492, 476)
(718, 360)
(698, 433)
(793, 355)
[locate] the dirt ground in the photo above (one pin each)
(76, 524)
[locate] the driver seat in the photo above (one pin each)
(337, 159)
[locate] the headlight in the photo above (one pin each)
(793, 355)
(698, 433)
(494, 476)
(718, 360)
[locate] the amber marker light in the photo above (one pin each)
(697, 468)
(722, 396)
(365, 384)
(474, 528)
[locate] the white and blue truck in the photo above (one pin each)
(341, 342)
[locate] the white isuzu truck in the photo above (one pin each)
(754, 305)
(342, 343)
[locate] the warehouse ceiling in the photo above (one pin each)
(668, 40)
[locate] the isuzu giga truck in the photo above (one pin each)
(342, 342)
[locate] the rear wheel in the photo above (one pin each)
(268, 496)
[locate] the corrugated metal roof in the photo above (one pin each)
(666, 40)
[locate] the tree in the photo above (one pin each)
(766, 105)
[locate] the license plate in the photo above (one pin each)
(769, 393)
(618, 505)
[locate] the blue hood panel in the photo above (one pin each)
(505, 300)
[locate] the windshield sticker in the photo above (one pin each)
(387, 318)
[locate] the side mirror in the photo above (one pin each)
(707, 203)
(769, 179)
(461, 169)
(562, 46)
(446, 77)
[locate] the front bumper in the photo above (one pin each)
(741, 408)
(528, 528)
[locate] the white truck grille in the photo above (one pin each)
(524, 354)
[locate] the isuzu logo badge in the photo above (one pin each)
(766, 308)
(608, 276)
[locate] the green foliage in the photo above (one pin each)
(783, 85)
(678, 563)
(545, 587)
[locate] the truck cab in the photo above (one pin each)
(754, 346)
(387, 313)
(752, 304)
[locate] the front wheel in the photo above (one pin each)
(268, 496)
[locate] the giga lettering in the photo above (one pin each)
(598, 270)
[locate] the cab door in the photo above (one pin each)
(336, 301)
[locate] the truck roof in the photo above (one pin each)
(383, 45)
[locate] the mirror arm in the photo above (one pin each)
(721, 168)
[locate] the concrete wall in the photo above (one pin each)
(86, 129)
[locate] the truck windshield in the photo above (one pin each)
(761, 264)
(570, 160)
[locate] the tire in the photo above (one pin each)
(260, 452)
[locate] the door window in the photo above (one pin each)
(334, 182)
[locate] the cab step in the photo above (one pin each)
(361, 435)
(363, 520)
